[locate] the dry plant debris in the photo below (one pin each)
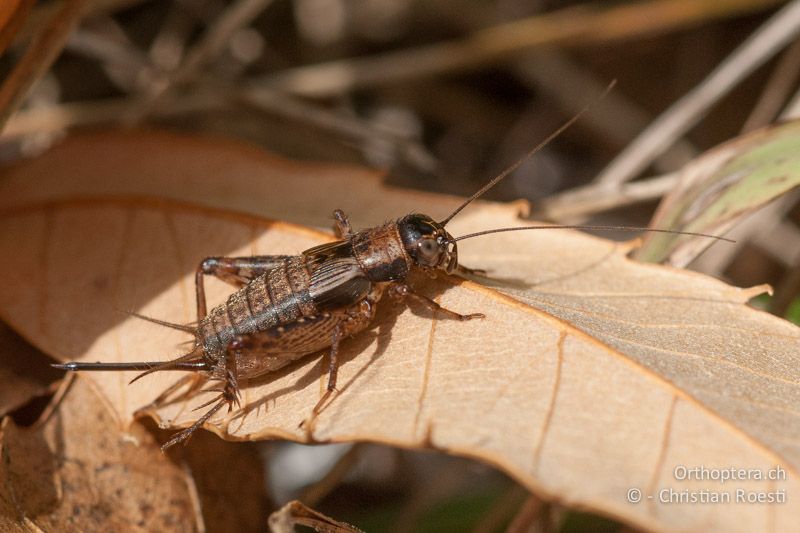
(727, 183)
(295, 513)
(75, 472)
(652, 366)
(592, 374)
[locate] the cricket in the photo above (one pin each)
(288, 307)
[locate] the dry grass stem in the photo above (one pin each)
(771, 37)
(43, 50)
(12, 16)
(778, 88)
(792, 109)
(72, 115)
(63, 117)
(42, 13)
(757, 228)
(573, 25)
(575, 205)
(238, 15)
(349, 127)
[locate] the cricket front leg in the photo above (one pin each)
(238, 271)
(401, 292)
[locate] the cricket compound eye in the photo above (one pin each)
(428, 248)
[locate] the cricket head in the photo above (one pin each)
(428, 243)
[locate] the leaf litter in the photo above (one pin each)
(74, 472)
(590, 374)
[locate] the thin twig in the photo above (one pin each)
(45, 11)
(59, 389)
(771, 37)
(43, 50)
(214, 41)
(777, 90)
(117, 56)
(238, 15)
(576, 204)
(792, 109)
(213, 96)
(757, 228)
(581, 24)
(15, 14)
(169, 45)
(71, 115)
(347, 126)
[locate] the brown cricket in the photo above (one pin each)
(287, 307)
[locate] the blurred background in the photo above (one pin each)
(442, 95)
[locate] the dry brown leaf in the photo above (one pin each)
(657, 367)
(214, 172)
(77, 473)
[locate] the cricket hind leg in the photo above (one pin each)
(193, 360)
(192, 383)
(183, 436)
(358, 318)
(244, 350)
(229, 394)
(237, 271)
(333, 372)
(254, 354)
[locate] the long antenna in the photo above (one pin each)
(602, 228)
(530, 154)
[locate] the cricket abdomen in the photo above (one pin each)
(299, 287)
(277, 297)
